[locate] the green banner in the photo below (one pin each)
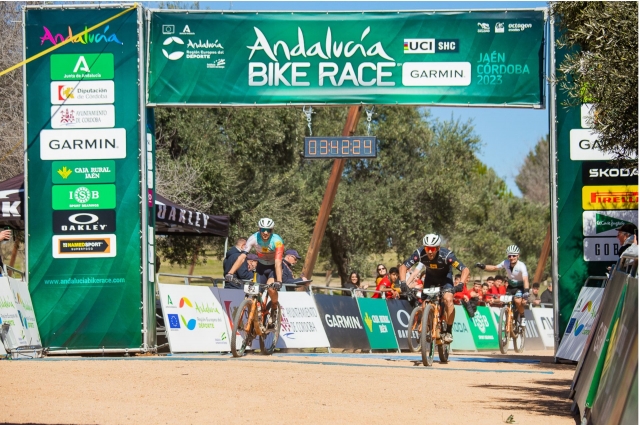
(462, 336)
(377, 323)
(86, 289)
(483, 329)
(448, 58)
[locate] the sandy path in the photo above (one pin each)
(217, 390)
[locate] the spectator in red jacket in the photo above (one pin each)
(384, 289)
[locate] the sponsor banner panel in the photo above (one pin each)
(346, 58)
(483, 329)
(604, 223)
(544, 321)
(610, 197)
(84, 222)
(108, 143)
(602, 172)
(24, 306)
(194, 318)
(400, 311)
(89, 246)
(342, 321)
(601, 249)
(89, 116)
(82, 92)
(462, 337)
(377, 321)
(584, 146)
(86, 66)
(70, 172)
(580, 323)
(533, 337)
(9, 315)
(301, 325)
(79, 197)
(230, 299)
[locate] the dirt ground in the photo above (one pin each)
(300, 388)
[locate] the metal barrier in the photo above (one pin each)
(14, 270)
(331, 288)
(187, 278)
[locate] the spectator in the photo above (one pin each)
(456, 280)
(394, 275)
(290, 259)
(232, 255)
(491, 283)
(382, 272)
(547, 296)
(384, 289)
(356, 285)
(534, 296)
(486, 296)
(626, 236)
(499, 288)
(244, 272)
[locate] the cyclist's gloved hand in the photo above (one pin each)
(403, 286)
(480, 266)
(276, 285)
(459, 287)
(525, 295)
(228, 277)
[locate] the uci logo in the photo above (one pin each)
(174, 55)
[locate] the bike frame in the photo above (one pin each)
(253, 320)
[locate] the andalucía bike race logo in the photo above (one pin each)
(87, 38)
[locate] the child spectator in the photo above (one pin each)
(534, 295)
(384, 289)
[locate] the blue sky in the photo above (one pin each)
(507, 134)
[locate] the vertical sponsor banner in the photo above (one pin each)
(342, 321)
(194, 318)
(462, 337)
(377, 321)
(400, 311)
(580, 322)
(544, 321)
(301, 325)
(83, 149)
(9, 315)
(149, 207)
(533, 337)
(483, 329)
(590, 190)
(230, 299)
(24, 306)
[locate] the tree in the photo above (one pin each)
(533, 175)
(602, 68)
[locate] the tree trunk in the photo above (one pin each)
(339, 257)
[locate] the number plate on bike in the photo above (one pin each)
(506, 298)
(431, 291)
(251, 289)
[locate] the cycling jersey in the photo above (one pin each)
(268, 251)
(515, 275)
(438, 272)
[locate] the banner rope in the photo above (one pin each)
(68, 40)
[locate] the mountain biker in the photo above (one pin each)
(270, 251)
(439, 263)
(517, 278)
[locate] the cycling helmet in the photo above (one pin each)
(513, 250)
(266, 223)
(431, 240)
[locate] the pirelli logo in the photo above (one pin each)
(610, 197)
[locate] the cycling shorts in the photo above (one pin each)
(264, 271)
(514, 290)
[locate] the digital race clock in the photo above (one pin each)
(340, 147)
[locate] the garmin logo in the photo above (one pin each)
(83, 144)
(339, 321)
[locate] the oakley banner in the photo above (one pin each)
(463, 58)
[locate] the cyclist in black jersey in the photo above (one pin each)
(439, 264)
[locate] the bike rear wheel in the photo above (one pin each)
(269, 339)
(518, 337)
(240, 338)
(413, 330)
(427, 344)
(503, 336)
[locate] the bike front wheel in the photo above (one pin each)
(240, 338)
(413, 330)
(503, 336)
(518, 337)
(443, 352)
(269, 339)
(427, 344)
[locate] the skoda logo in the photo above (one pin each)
(175, 55)
(78, 218)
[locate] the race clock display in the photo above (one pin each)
(340, 147)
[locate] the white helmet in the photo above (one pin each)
(266, 223)
(513, 250)
(431, 240)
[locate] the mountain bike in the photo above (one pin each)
(433, 324)
(508, 327)
(254, 319)
(415, 321)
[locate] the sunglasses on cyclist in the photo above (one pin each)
(431, 248)
(266, 230)
(512, 255)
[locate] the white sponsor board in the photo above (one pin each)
(24, 305)
(606, 221)
(301, 325)
(601, 249)
(431, 74)
(83, 116)
(9, 315)
(544, 322)
(83, 246)
(82, 92)
(584, 146)
(194, 319)
(230, 299)
(579, 326)
(108, 143)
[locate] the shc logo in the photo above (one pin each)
(174, 55)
